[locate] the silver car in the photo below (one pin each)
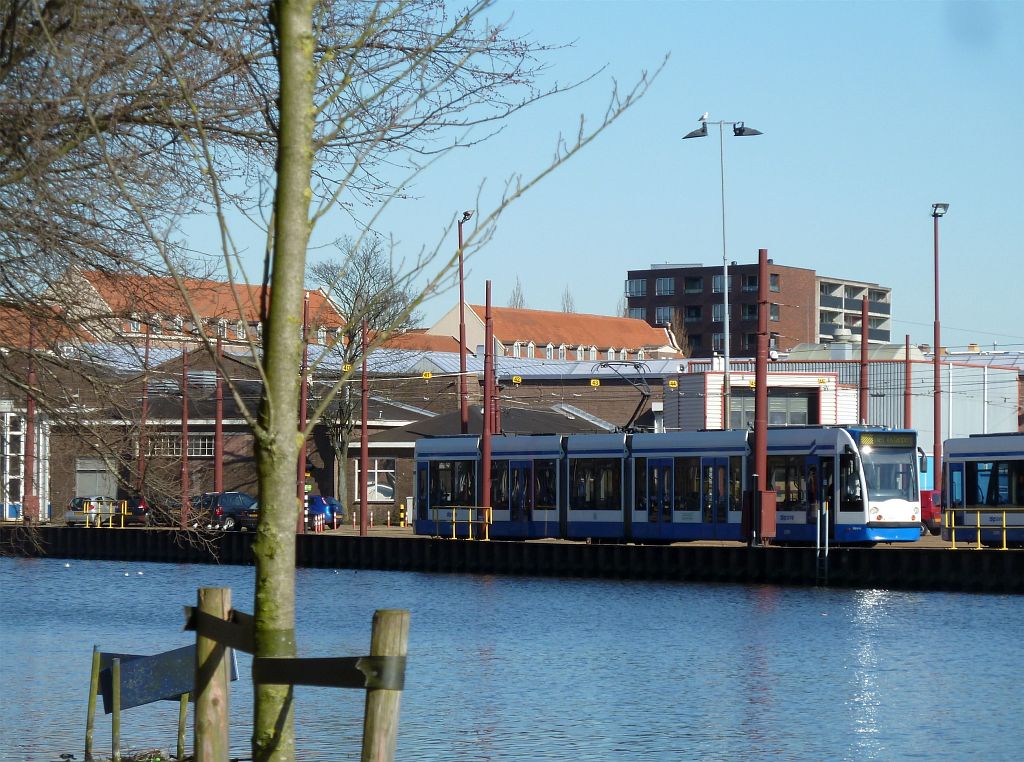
(93, 510)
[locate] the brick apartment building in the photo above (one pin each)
(803, 306)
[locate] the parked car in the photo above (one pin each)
(931, 510)
(328, 507)
(225, 510)
(90, 510)
(137, 512)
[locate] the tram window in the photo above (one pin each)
(850, 493)
(956, 487)
(735, 484)
(545, 489)
(785, 473)
(421, 493)
(640, 483)
(452, 482)
(1017, 480)
(596, 484)
(499, 484)
(687, 496)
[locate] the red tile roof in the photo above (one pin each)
(419, 339)
(48, 329)
(149, 295)
(572, 329)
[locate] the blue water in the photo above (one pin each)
(549, 669)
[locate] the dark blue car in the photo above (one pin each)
(328, 507)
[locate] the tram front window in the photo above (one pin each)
(890, 473)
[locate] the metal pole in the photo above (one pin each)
(864, 360)
(218, 424)
(183, 520)
(364, 441)
(144, 415)
(463, 383)
(906, 384)
(300, 526)
(485, 448)
(764, 520)
(30, 501)
(726, 381)
(936, 367)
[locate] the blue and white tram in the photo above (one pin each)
(984, 471)
(525, 486)
(595, 466)
(687, 485)
(446, 482)
(868, 476)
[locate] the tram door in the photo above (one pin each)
(812, 489)
(659, 492)
(520, 492)
(422, 491)
(715, 473)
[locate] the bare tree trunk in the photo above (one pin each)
(279, 442)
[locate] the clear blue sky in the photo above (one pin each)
(871, 111)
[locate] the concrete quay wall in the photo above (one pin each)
(983, 571)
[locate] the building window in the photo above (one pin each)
(222, 328)
(748, 312)
(259, 331)
(240, 329)
(549, 351)
(593, 353)
(563, 352)
(610, 354)
(321, 335)
(640, 313)
(531, 350)
(637, 287)
(156, 324)
(696, 342)
(623, 354)
(750, 341)
(641, 355)
(134, 325)
(693, 313)
(517, 349)
(878, 296)
(718, 341)
(749, 282)
(169, 445)
(716, 284)
(665, 287)
(581, 353)
(663, 315)
(774, 282)
(852, 292)
(693, 284)
(717, 313)
(773, 312)
(380, 480)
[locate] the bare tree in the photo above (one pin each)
(365, 285)
(517, 300)
(568, 303)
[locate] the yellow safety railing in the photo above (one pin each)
(105, 510)
(473, 518)
(949, 522)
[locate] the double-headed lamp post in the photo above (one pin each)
(938, 210)
(740, 130)
(463, 384)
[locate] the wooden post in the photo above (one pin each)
(212, 673)
(389, 637)
(94, 688)
(182, 715)
(115, 718)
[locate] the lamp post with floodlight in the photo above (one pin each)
(740, 130)
(463, 384)
(938, 210)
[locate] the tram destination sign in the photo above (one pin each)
(888, 439)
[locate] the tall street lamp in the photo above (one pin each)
(937, 211)
(740, 130)
(463, 384)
